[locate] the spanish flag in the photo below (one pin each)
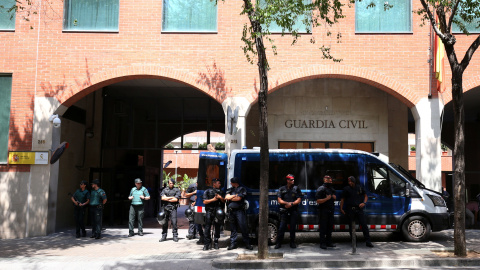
(438, 69)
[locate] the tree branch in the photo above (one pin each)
(450, 20)
(468, 55)
(432, 20)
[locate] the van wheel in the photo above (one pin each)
(416, 229)
(273, 228)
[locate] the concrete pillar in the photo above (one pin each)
(427, 114)
(43, 180)
(237, 139)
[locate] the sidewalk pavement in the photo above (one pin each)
(117, 251)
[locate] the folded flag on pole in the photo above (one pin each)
(439, 58)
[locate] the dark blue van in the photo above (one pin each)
(397, 201)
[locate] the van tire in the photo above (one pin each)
(416, 229)
(273, 229)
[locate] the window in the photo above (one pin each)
(7, 19)
(385, 16)
(299, 24)
(384, 182)
(5, 95)
(91, 15)
(280, 165)
(189, 16)
(472, 27)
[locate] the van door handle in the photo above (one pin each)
(371, 197)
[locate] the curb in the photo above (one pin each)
(335, 264)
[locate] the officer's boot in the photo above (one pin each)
(206, 247)
(164, 238)
(201, 241)
(175, 238)
(215, 244)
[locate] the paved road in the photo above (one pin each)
(117, 251)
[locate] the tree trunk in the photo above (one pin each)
(459, 162)
(264, 151)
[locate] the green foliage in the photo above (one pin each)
(220, 145)
(413, 148)
(167, 176)
(169, 146)
(466, 15)
(202, 146)
(263, 13)
(188, 145)
(186, 181)
(444, 147)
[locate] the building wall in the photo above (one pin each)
(63, 67)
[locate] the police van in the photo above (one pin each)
(397, 202)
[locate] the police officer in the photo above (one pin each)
(80, 198)
(236, 213)
(98, 199)
(191, 193)
(354, 199)
(170, 200)
(289, 197)
(138, 195)
(325, 196)
(213, 200)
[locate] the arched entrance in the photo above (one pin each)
(118, 133)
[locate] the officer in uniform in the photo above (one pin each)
(213, 200)
(289, 197)
(191, 193)
(354, 199)
(325, 196)
(170, 200)
(138, 195)
(98, 199)
(236, 213)
(80, 198)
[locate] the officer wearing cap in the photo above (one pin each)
(170, 199)
(191, 193)
(98, 199)
(213, 200)
(354, 199)
(138, 195)
(80, 198)
(326, 197)
(289, 197)
(236, 213)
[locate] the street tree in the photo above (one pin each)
(443, 15)
(262, 14)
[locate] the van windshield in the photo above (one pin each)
(407, 175)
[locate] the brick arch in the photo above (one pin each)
(81, 87)
(389, 85)
(468, 85)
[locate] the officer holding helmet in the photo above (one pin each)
(236, 213)
(170, 199)
(191, 193)
(137, 195)
(213, 200)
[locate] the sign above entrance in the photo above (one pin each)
(28, 158)
(353, 124)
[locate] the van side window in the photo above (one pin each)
(338, 170)
(378, 180)
(250, 173)
(384, 182)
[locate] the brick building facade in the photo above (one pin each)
(384, 79)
